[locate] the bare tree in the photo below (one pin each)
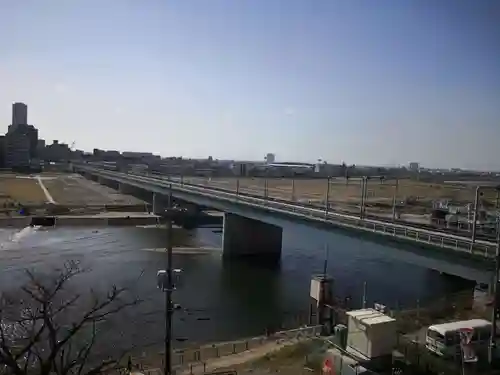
(47, 328)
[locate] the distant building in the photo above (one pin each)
(289, 169)
(17, 150)
(19, 114)
(2, 151)
(31, 132)
(414, 167)
(20, 126)
(270, 158)
(57, 151)
(137, 155)
(241, 168)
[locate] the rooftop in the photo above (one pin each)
(370, 316)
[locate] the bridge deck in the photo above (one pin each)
(224, 199)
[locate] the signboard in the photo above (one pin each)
(468, 353)
(328, 367)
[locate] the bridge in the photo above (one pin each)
(249, 228)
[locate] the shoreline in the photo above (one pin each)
(102, 219)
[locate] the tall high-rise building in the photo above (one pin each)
(29, 131)
(19, 114)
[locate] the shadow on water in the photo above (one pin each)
(254, 288)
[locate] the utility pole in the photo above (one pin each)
(364, 294)
(496, 302)
(363, 183)
(364, 191)
(168, 291)
(474, 216)
(497, 198)
(327, 196)
(394, 198)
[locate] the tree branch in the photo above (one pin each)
(47, 344)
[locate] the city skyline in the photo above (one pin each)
(373, 85)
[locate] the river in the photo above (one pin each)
(220, 300)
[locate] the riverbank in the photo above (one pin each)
(61, 189)
(226, 354)
(97, 220)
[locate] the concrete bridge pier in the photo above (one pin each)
(159, 204)
(125, 189)
(107, 182)
(244, 237)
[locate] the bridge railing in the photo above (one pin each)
(438, 239)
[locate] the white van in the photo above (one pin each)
(444, 339)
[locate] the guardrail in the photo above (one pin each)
(480, 248)
(315, 204)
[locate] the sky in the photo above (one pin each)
(382, 82)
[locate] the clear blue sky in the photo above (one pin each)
(366, 82)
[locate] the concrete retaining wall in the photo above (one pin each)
(76, 221)
(15, 222)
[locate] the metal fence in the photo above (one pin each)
(197, 360)
(457, 306)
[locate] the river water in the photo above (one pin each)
(220, 300)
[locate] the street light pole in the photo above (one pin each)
(363, 183)
(168, 292)
(474, 216)
(365, 196)
(327, 195)
(496, 301)
(394, 198)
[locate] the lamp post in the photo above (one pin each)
(364, 191)
(394, 198)
(497, 198)
(168, 292)
(474, 216)
(327, 195)
(166, 284)
(363, 183)
(495, 315)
